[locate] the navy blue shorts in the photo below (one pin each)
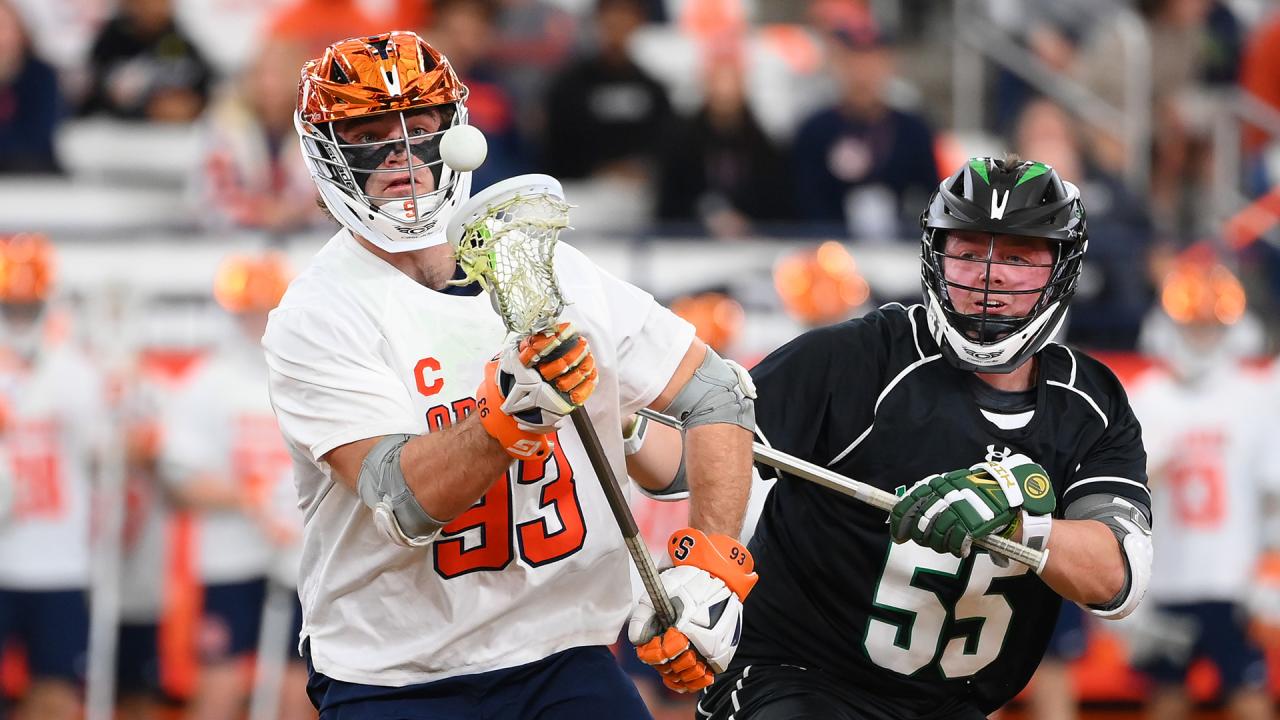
(53, 626)
(138, 660)
(580, 683)
(1069, 638)
(231, 619)
(1221, 636)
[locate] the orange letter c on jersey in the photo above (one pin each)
(425, 365)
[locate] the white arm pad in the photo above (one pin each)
(1132, 531)
(1137, 551)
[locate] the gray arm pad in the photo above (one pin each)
(1128, 522)
(382, 487)
(717, 393)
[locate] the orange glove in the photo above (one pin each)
(529, 388)
(563, 358)
(709, 572)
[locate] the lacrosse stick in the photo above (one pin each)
(504, 238)
(862, 492)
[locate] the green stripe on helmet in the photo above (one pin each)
(980, 166)
(1036, 170)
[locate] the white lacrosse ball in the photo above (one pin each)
(463, 148)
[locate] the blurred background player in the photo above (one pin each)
(52, 414)
(1209, 424)
(222, 454)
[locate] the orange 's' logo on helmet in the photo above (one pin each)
(27, 268)
(247, 283)
(373, 75)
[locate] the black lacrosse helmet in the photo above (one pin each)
(1001, 197)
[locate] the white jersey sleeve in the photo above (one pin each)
(328, 383)
(650, 340)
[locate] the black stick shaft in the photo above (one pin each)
(626, 521)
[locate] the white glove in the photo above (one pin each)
(711, 578)
(708, 614)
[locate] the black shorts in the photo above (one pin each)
(788, 692)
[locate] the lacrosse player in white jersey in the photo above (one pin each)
(52, 411)
(463, 564)
(1209, 424)
(221, 452)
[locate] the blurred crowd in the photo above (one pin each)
(820, 125)
(706, 118)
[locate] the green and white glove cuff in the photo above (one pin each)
(1032, 531)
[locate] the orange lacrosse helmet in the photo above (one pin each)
(1202, 292)
(27, 268)
(820, 285)
(385, 182)
(251, 283)
(716, 317)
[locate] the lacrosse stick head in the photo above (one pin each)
(504, 237)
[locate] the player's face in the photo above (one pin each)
(1001, 274)
(380, 147)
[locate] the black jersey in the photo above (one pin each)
(874, 400)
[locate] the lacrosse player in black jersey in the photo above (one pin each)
(982, 426)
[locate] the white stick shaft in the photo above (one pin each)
(274, 637)
(862, 492)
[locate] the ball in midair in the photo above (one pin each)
(463, 148)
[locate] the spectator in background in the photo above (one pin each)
(1108, 310)
(1051, 30)
(719, 169)
(52, 414)
(464, 31)
(535, 38)
(221, 454)
(860, 163)
(30, 104)
(1258, 77)
(252, 175)
(316, 23)
(145, 68)
(605, 115)
(1185, 51)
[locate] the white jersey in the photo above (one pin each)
(1208, 454)
(220, 427)
(357, 350)
(54, 414)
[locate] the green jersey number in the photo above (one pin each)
(909, 646)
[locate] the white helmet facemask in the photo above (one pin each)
(382, 176)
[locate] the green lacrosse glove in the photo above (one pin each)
(948, 512)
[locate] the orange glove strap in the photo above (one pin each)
(722, 556)
(519, 444)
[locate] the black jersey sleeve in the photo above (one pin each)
(819, 390)
(1116, 462)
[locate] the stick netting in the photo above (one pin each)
(510, 251)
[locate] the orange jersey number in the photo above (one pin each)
(37, 472)
(1199, 494)
(481, 537)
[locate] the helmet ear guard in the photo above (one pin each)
(1001, 197)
